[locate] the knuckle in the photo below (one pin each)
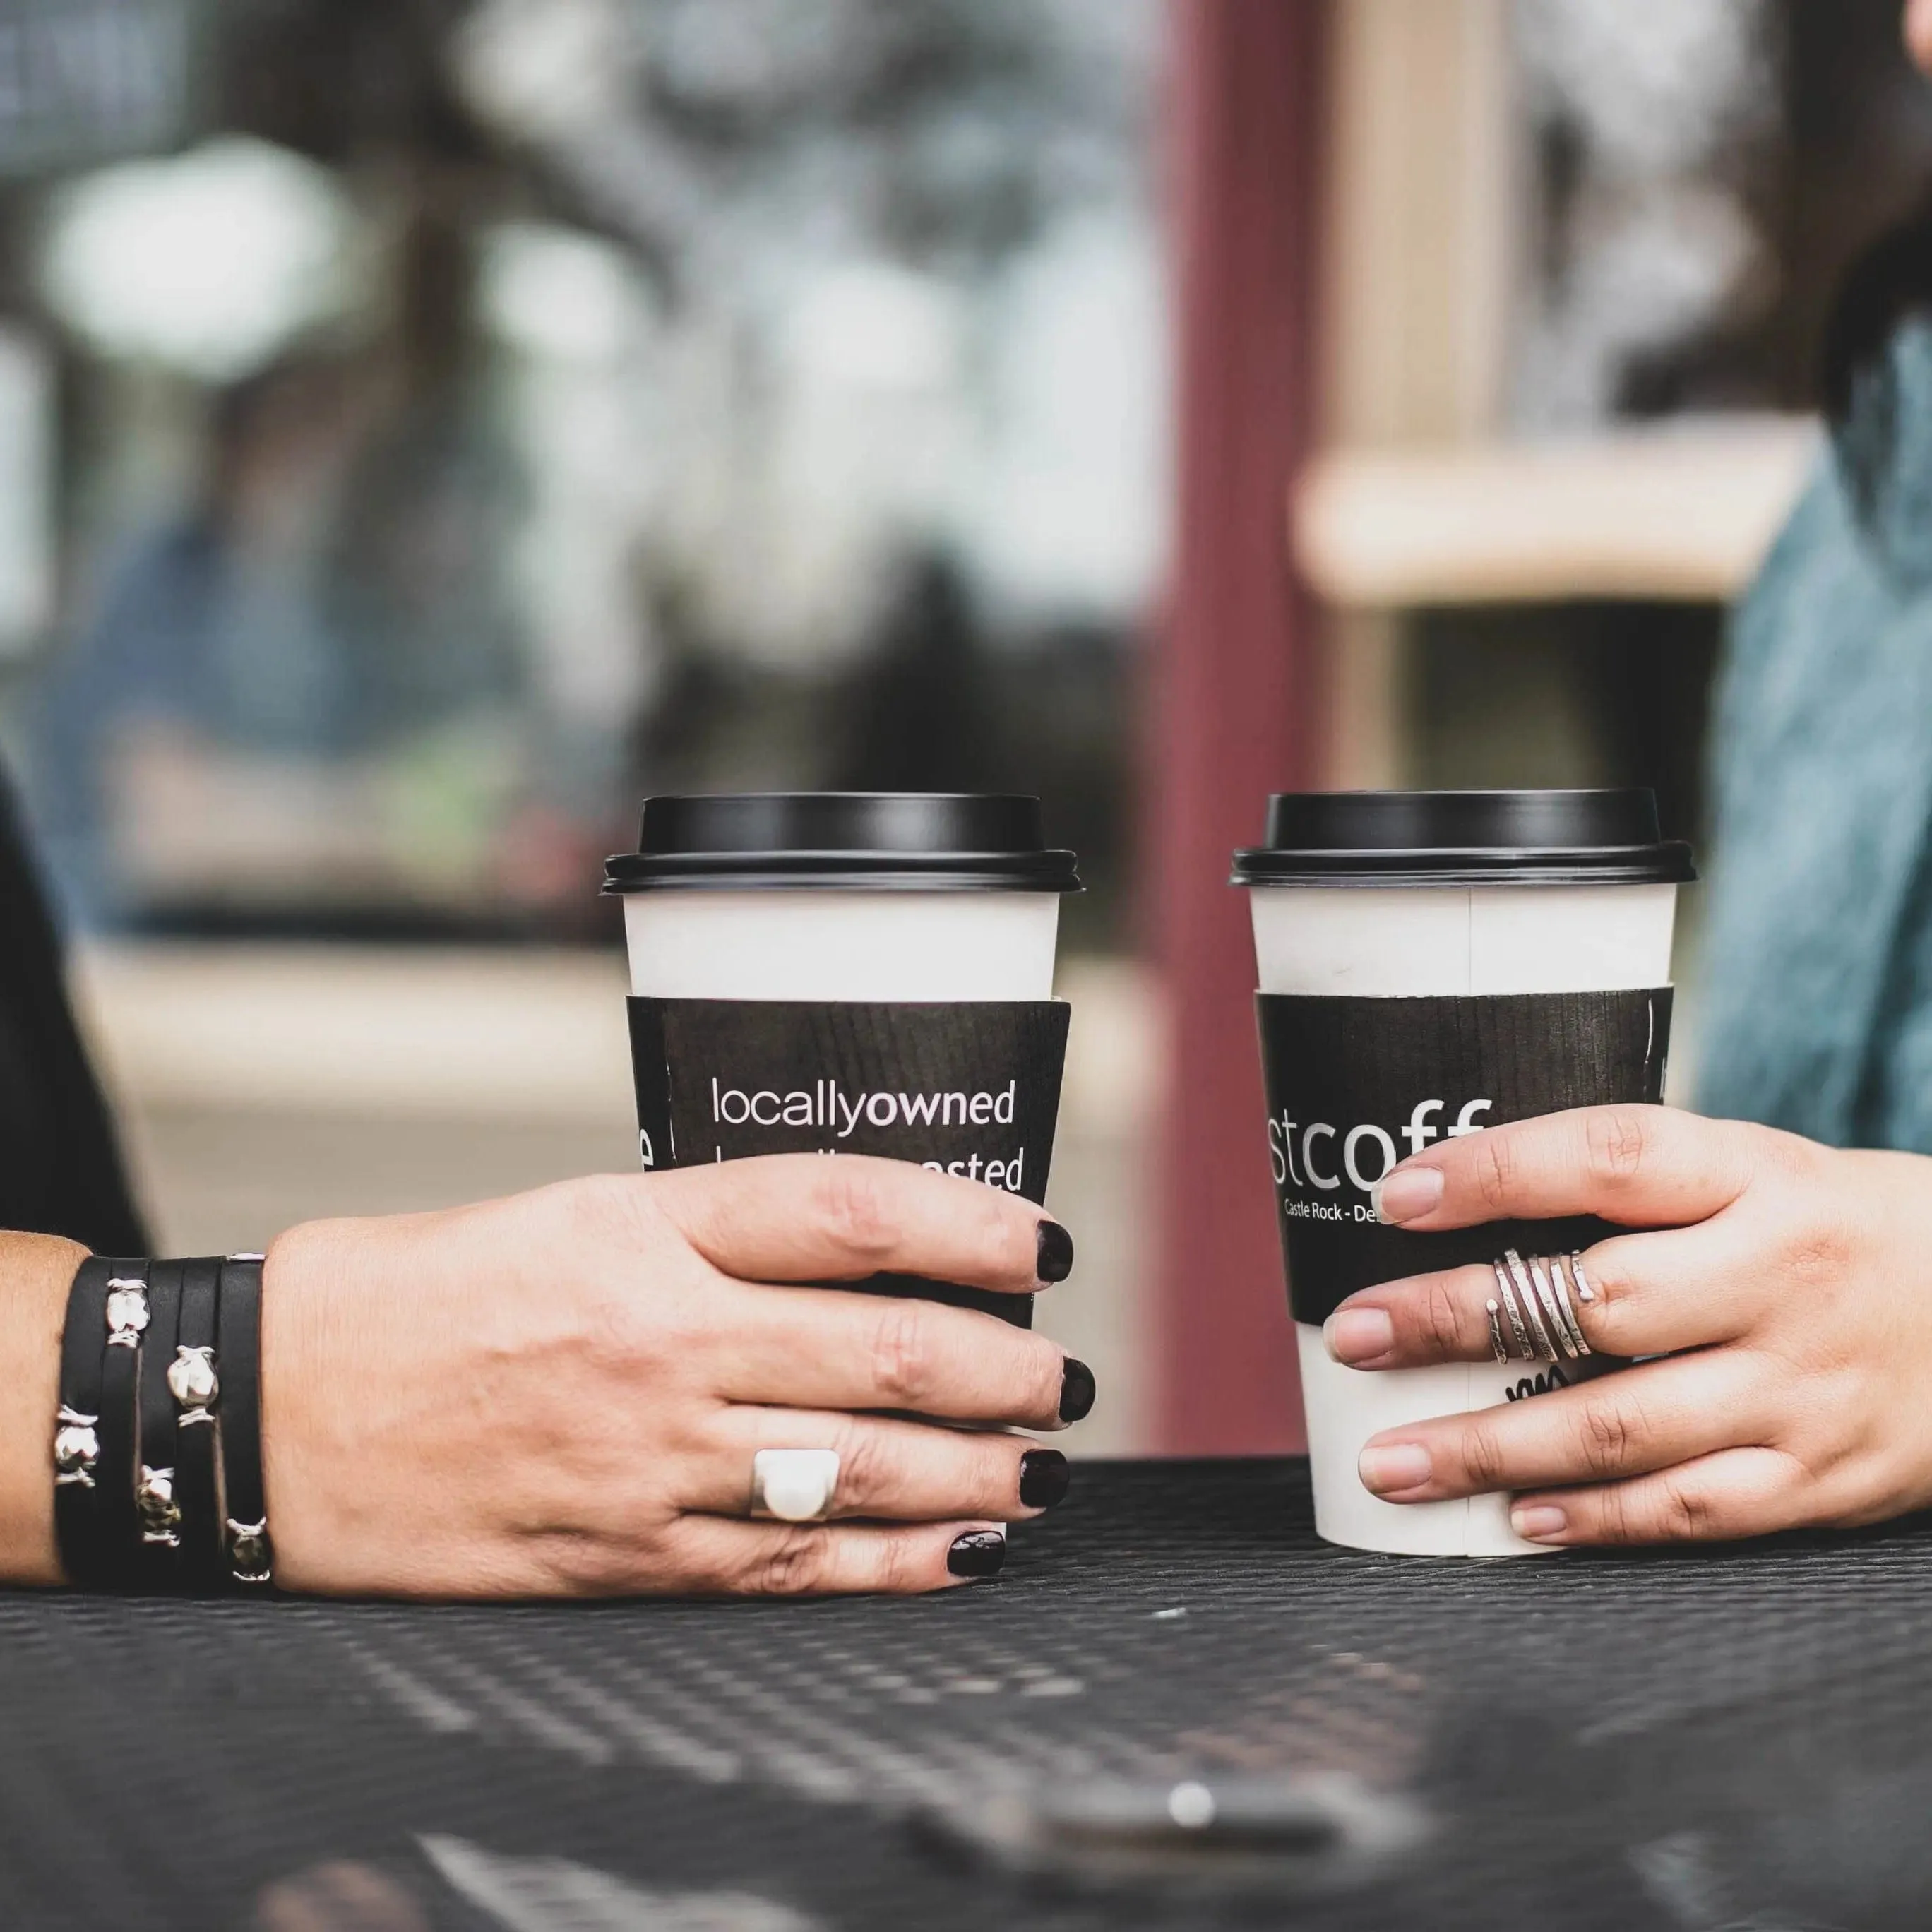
(1616, 1520)
(1616, 1143)
(1483, 1458)
(1495, 1169)
(1685, 1511)
(902, 1352)
(1816, 1250)
(849, 1202)
(1608, 1436)
(866, 1471)
(791, 1563)
(1441, 1320)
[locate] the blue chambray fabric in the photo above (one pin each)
(1816, 979)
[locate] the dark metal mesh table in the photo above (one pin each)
(1701, 1740)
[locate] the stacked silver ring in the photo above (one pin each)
(1535, 1302)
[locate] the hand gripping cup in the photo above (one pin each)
(839, 973)
(1434, 964)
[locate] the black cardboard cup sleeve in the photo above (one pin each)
(968, 1087)
(1354, 1085)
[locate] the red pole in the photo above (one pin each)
(1234, 711)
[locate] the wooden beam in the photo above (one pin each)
(1419, 275)
(1678, 513)
(1234, 712)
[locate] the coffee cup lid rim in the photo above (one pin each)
(1605, 835)
(872, 842)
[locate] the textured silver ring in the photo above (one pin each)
(1585, 1292)
(794, 1485)
(1541, 1269)
(1569, 1312)
(1546, 1349)
(1496, 1333)
(1520, 1334)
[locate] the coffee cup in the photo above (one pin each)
(1432, 964)
(849, 972)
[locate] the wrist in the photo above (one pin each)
(36, 1272)
(296, 1425)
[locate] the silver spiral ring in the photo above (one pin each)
(1585, 1292)
(1546, 1349)
(1536, 1301)
(1496, 1347)
(1540, 1272)
(1519, 1334)
(1568, 1311)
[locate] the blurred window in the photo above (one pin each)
(449, 422)
(1702, 172)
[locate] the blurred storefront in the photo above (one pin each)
(428, 425)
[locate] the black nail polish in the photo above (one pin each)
(1076, 1391)
(1044, 1478)
(979, 1552)
(1056, 1252)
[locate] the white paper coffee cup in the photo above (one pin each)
(1442, 896)
(916, 914)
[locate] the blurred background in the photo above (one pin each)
(426, 426)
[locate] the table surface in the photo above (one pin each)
(1689, 1742)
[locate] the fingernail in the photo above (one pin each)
(1396, 1466)
(1406, 1195)
(1538, 1523)
(1044, 1478)
(1076, 1391)
(979, 1552)
(1358, 1334)
(1056, 1252)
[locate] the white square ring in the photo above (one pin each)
(794, 1485)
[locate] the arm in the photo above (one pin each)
(36, 1271)
(562, 1393)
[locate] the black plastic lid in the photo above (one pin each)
(1607, 838)
(874, 840)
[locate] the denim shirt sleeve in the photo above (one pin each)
(1823, 792)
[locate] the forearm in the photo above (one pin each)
(36, 1271)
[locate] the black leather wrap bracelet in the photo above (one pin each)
(156, 1512)
(194, 1384)
(116, 1554)
(250, 1553)
(157, 1441)
(81, 1485)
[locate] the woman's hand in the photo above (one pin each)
(1791, 1292)
(562, 1393)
